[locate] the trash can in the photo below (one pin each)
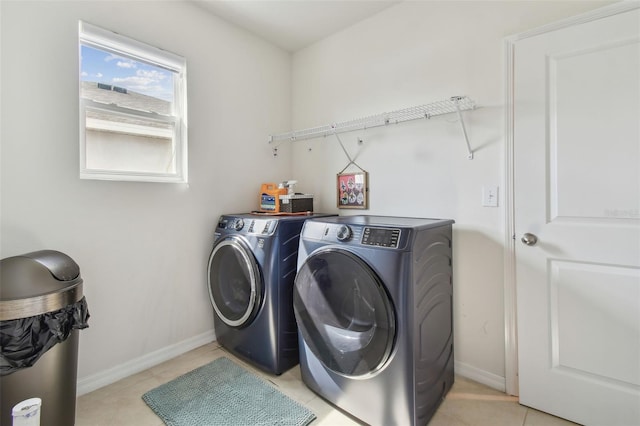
(41, 310)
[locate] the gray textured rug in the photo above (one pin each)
(223, 393)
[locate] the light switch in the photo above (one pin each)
(490, 196)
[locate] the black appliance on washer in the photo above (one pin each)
(250, 278)
(373, 303)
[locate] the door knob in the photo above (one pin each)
(529, 239)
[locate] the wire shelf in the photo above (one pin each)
(453, 105)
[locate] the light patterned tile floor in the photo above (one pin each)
(468, 403)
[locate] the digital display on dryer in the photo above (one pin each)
(382, 237)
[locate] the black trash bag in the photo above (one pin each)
(23, 341)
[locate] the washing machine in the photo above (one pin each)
(251, 271)
(373, 304)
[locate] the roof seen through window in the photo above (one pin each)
(119, 72)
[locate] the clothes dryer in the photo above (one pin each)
(373, 303)
(251, 270)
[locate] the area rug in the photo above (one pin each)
(223, 393)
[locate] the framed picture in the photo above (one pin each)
(353, 190)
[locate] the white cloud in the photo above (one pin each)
(84, 74)
(150, 82)
(142, 79)
(126, 64)
(151, 75)
(122, 62)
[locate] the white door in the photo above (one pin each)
(577, 190)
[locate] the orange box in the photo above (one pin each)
(270, 197)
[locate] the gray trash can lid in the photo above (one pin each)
(38, 282)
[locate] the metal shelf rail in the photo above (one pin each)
(455, 104)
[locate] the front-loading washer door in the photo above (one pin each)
(344, 312)
(234, 282)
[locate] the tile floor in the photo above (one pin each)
(468, 403)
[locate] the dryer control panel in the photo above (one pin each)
(382, 237)
(248, 226)
(350, 234)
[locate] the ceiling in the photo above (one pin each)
(294, 24)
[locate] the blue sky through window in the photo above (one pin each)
(104, 67)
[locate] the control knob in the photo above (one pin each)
(344, 233)
(238, 224)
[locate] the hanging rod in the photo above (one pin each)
(455, 104)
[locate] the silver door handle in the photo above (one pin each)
(529, 239)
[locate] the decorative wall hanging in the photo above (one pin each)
(353, 190)
(352, 187)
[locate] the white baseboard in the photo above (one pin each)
(112, 375)
(484, 377)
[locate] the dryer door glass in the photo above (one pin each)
(234, 282)
(344, 313)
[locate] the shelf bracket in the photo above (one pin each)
(456, 100)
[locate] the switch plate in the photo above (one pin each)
(490, 196)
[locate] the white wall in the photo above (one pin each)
(411, 54)
(142, 247)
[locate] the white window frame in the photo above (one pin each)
(96, 37)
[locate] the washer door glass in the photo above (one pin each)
(234, 282)
(344, 313)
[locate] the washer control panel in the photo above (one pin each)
(250, 226)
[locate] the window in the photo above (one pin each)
(132, 109)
